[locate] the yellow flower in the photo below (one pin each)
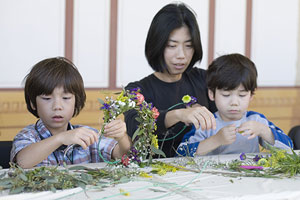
(161, 172)
(280, 154)
(154, 141)
(124, 192)
(145, 175)
(263, 162)
(186, 99)
(121, 97)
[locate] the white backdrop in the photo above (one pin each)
(32, 30)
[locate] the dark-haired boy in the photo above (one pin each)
(231, 81)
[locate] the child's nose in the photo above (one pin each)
(57, 105)
(234, 101)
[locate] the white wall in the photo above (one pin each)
(230, 27)
(32, 30)
(91, 41)
(275, 41)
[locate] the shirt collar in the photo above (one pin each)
(43, 131)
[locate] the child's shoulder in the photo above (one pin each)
(27, 132)
(254, 115)
(79, 125)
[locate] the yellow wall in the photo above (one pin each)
(279, 105)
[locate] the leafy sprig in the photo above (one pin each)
(277, 163)
(18, 180)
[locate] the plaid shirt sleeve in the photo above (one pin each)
(24, 138)
(106, 146)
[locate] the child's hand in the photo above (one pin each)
(115, 129)
(227, 134)
(81, 136)
(253, 129)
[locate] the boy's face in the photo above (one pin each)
(56, 109)
(231, 104)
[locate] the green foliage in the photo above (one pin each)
(18, 180)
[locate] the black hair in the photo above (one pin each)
(169, 18)
(229, 71)
(50, 73)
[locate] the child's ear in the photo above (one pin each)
(32, 106)
(211, 95)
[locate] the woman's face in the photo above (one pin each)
(178, 52)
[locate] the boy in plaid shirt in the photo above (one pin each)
(54, 93)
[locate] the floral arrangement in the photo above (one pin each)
(145, 143)
(276, 163)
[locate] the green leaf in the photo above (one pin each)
(101, 101)
(53, 189)
(2, 175)
(157, 151)
(17, 190)
(86, 177)
(139, 120)
(23, 177)
(135, 134)
(79, 168)
(52, 180)
(81, 184)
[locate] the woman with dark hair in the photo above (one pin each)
(173, 46)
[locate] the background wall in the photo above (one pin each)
(106, 38)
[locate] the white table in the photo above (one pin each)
(183, 185)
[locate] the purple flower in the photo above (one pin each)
(105, 106)
(243, 156)
(257, 158)
(135, 89)
(133, 150)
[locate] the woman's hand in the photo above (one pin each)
(198, 115)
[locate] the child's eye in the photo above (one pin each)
(46, 98)
(225, 95)
(189, 46)
(67, 97)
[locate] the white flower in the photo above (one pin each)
(132, 104)
(121, 103)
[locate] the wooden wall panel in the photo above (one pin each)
(279, 105)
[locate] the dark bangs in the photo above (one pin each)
(48, 74)
(229, 71)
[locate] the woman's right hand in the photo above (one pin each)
(198, 115)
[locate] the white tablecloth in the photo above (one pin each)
(183, 185)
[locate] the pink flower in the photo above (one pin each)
(251, 167)
(155, 113)
(140, 98)
(125, 160)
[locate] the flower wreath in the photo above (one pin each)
(145, 143)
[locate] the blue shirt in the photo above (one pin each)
(191, 140)
(36, 132)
